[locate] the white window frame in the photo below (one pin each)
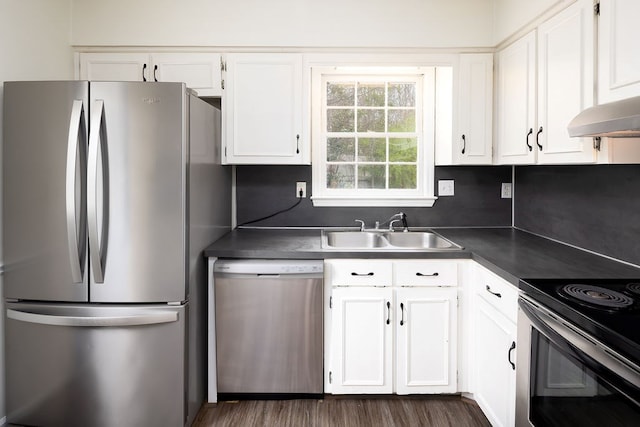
(423, 196)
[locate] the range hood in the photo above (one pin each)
(619, 119)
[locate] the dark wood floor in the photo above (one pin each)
(342, 411)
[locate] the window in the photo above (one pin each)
(373, 136)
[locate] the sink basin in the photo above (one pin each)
(354, 239)
(386, 241)
(419, 239)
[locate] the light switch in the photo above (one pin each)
(445, 187)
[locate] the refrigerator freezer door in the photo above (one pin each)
(137, 177)
(95, 366)
(44, 156)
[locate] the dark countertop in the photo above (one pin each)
(508, 252)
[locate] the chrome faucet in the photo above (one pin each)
(400, 216)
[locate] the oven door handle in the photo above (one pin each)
(576, 345)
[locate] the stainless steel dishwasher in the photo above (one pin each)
(268, 316)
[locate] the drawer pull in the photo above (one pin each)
(513, 347)
(427, 275)
(388, 312)
(353, 273)
(498, 294)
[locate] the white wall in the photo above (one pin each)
(284, 23)
(34, 45)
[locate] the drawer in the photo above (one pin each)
(358, 272)
(425, 273)
(498, 292)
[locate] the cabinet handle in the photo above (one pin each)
(353, 273)
(144, 68)
(436, 274)
(498, 294)
(513, 347)
(464, 144)
(538, 137)
(297, 144)
(401, 314)
(388, 312)
(155, 70)
(529, 145)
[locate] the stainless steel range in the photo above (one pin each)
(578, 353)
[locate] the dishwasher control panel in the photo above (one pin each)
(268, 266)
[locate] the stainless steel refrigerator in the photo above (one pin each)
(110, 193)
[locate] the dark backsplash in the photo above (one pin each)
(595, 207)
(263, 190)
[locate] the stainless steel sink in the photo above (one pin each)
(386, 241)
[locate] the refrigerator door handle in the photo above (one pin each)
(106, 321)
(76, 142)
(97, 146)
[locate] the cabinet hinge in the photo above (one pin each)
(597, 143)
(222, 84)
(330, 378)
(330, 302)
(596, 9)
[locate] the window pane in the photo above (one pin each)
(402, 95)
(341, 149)
(372, 149)
(403, 176)
(341, 176)
(371, 94)
(340, 94)
(403, 149)
(340, 120)
(402, 120)
(371, 176)
(371, 120)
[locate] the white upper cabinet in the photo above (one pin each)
(538, 97)
(132, 67)
(618, 58)
(473, 138)
(199, 71)
(516, 101)
(565, 83)
(262, 109)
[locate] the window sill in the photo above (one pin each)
(423, 202)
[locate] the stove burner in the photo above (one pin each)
(634, 288)
(599, 296)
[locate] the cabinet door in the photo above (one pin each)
(565, 83)
(473, 140)
(200, 71)
(495, 376)
(426, 331)
(262, 108)
(618, 59)
(118, 67)
(516, 101)
(361, 340)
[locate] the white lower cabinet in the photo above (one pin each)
(388, 338)
(494, 354)
(361, 352)
(425, 340)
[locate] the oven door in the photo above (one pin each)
(565, 377)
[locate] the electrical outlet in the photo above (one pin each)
(506, 190)
(301, 186)
(446, 187)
